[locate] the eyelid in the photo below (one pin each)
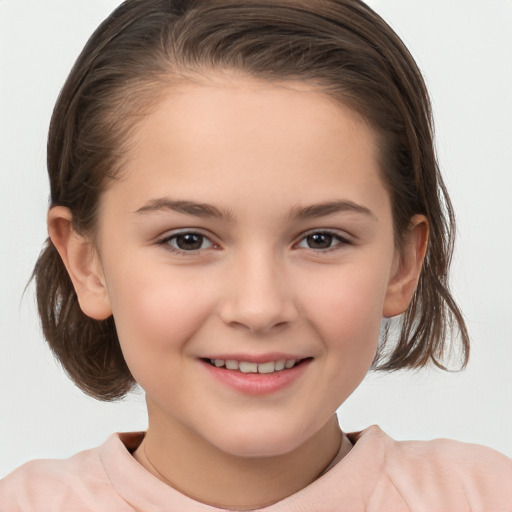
(342, 237)
(165, 239)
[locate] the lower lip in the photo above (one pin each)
(257, 383)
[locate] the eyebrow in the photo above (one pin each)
(298, 212)
(329, 208)
(185, 207)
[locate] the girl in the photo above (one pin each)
(240, 193)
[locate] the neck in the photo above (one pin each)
(206, 474)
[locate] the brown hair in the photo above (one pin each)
(341, 46)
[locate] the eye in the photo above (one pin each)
(187, 242)
(322, 240)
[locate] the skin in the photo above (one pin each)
(257, 152)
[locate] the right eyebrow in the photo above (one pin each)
(327, 208)
(203, 210)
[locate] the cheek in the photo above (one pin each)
(348, 300)
(345, 308)
(156, 314)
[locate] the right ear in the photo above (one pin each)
(82, 262)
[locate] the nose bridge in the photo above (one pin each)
(258, 295)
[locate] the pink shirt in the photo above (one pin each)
(378, 474)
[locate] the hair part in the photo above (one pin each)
(144, 47)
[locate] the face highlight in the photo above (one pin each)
(248, 255)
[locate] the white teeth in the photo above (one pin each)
(280, 365)
(266, 367)
(248, 367)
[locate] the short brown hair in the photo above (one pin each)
(340, 46)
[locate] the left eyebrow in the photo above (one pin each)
(329, 208)
(185, 207)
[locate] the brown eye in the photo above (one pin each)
(187, 242)
(323, 241)
(319, 240)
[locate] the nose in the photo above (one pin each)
(258, 295)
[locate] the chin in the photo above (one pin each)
(259, 441)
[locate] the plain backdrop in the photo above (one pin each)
(464, 48)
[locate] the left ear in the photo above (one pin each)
(407, 267)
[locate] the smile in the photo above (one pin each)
(251, 367)
(267, 375)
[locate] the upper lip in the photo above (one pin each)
(255, 358)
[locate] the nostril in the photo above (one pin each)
(258, 325)
(257, 314)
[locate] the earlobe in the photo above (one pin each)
(407, 270)
(82, 262)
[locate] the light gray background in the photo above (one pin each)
(464, 48)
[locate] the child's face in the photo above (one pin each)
(292, 258)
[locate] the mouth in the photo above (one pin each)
(258, 376)
(246, 367)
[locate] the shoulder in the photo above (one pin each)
(458, 458)
(79, 483)
(450, 472)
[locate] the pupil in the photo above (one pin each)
(319, 241)
(189, 242)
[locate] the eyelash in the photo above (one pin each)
(342, 241)
(180, 252)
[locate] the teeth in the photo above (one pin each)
(247, 367)
(280, 365)
(266, 367)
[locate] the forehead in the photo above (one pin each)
(231, 137)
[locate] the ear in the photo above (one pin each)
(407, 268)
(82, 262)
